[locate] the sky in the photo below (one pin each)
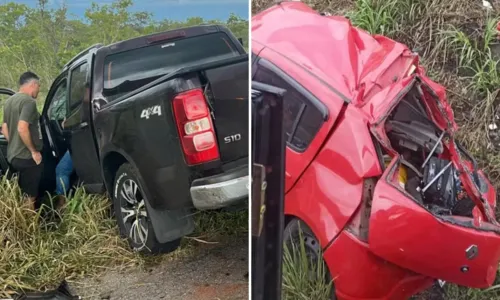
(163, 9)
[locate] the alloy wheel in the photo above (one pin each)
(134, 213)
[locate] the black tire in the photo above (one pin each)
(296, 230)
(135, 225)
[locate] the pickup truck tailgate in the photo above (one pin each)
(229, 101)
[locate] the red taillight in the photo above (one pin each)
(195, 127)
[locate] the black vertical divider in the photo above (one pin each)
(268, 183)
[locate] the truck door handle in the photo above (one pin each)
(98, 102)
(83, 125)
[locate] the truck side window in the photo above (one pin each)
(57, 109)
(301, 119)
(77, 86)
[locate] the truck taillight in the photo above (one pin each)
(195, 127)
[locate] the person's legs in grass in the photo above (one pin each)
(29, 178)
(63, 172)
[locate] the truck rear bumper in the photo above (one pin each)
(221, 190)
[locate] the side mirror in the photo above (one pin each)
(241, 41)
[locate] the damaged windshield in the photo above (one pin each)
(129, 70)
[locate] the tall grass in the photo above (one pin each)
(474, 54)
(376, 16)
(384, 17)
(37, 253)
(304, 278)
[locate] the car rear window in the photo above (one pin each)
(129, 70)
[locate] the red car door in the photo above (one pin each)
(300, 85)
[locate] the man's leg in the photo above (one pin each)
(29, 178)
(63, 172)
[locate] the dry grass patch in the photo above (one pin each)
(37, 253)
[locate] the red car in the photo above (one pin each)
(373, 171)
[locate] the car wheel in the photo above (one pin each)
(130, 209)
(296, 234)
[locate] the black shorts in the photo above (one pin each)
(30, 175)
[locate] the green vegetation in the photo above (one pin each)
(458, 46)
(43, 40)
(303, 278)
(37, 252)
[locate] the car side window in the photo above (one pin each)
(78, 87)
(301, 119)
(57, 109)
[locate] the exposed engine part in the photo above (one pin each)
(440, 211)
(436, 177)
(412, 167)
(414, 135)
(433, 149)
(412, 187)
(402, 176)
(446, 191)
(443, 190)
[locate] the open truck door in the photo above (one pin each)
(268, 184)
(4, 165)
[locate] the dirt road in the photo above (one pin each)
(213, 272)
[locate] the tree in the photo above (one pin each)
(43, 40)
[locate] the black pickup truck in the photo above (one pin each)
(160, 122)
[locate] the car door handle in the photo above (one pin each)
(83, 125)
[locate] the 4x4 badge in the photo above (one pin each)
(153, 110)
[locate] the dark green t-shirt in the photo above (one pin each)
(21, 107)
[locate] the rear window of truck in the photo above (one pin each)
(129, 70)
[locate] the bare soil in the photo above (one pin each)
(212, 272)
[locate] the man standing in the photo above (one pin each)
(21, 128)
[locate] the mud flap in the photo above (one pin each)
(451, 248)
(170, 225)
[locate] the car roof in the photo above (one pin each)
(328, 46)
